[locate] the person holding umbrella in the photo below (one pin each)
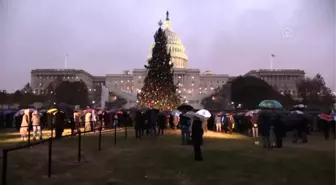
(25, 125)
(197, 137)
(36, 125)
(197, 132)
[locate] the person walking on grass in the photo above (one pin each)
(36, 125)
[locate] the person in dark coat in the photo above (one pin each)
(185, 125)
(265, 127)
(161, 123)
(197, 138)
(138, 124)
(325, 128)
(106, 119)
(59, 123)
(278, 130)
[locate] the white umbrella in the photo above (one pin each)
(301, 106)
(296, 112)
(203, 114)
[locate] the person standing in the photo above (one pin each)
(184, 124)
(264, 126)
(254, 122)
(161, 123)
(94, 121)
(218, 122)
(279, 130)
(59, 126)
(138, 124)
(24, 126)
(36, 125)
(231, 123)
(77, 122)
(153, 122)
(87, 122)
(175, 121)
(197, 138)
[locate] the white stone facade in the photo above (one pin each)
(284, 80)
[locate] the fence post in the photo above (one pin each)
(99, 138)
(115, 134)
(52, 131)
(79, 146)
(4, 166)
(49, 156)
(125, 131)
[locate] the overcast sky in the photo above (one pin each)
(109, 36)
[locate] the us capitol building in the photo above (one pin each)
(193, 85)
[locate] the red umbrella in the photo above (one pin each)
(88, 110)
(326, 117)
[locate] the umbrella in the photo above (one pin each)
(175, 113)
(43, 111)
(185, 107)
(8, 111)
(112, 111)
(88, 110)
(252, 112)
(23, 111)
(300, 106)
(326, 117)
(68, 111)
(166, 112)
(52, 111)
(270, 104)
(145, 109)
(190, 114)
(203, 114)
(296, 112)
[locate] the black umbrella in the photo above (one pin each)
(185, 107)
(67, 109)
(145, 109)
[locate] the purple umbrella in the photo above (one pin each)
(21, 112)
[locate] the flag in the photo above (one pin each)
(272, 55)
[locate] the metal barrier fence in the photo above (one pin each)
(50, 140)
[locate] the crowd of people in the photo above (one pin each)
(268, 126)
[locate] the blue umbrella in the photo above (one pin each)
(8, 111)
(175, 113)
(270, 104)
(21, 112)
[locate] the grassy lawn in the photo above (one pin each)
(228, 159)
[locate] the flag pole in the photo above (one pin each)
(271, 61)
(66, 60)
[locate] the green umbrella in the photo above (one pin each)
(270, 104)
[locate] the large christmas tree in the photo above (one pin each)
(159, 90)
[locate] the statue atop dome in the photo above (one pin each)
(160, 23)
(167, 16)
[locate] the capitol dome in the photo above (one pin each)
(174, 46)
